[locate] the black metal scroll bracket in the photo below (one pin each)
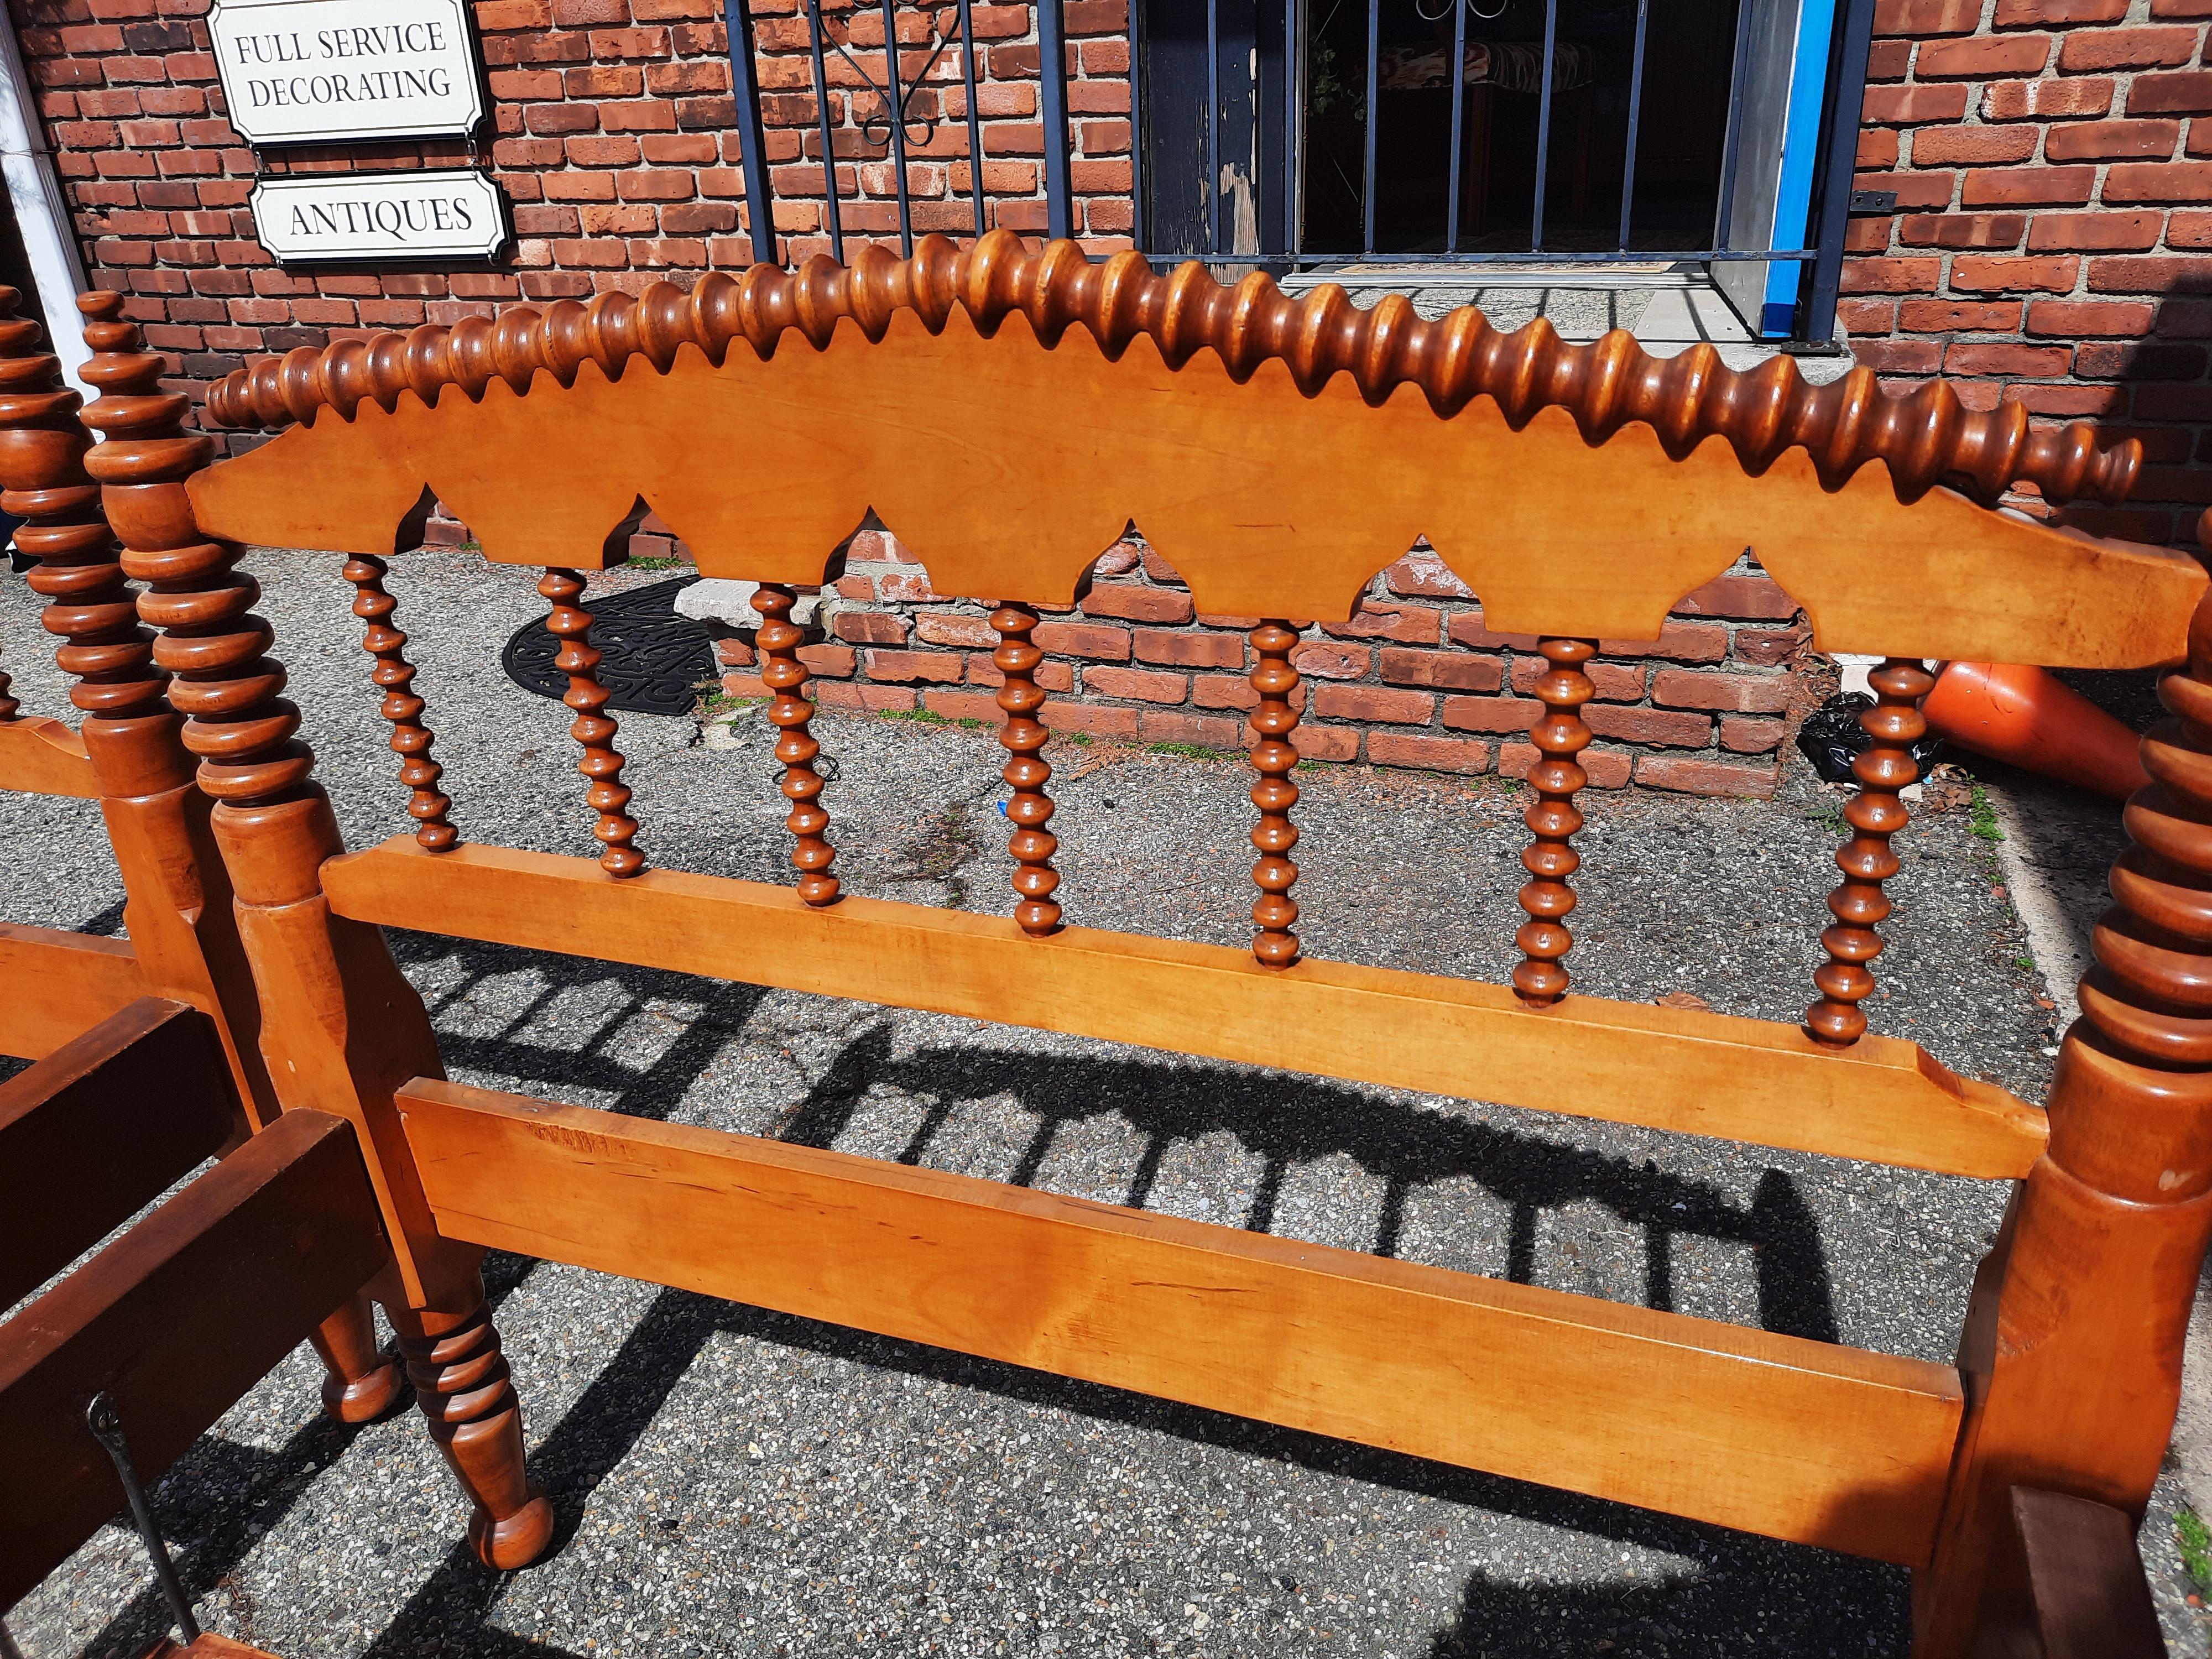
(107, 1425)
(906, 122)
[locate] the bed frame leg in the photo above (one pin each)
(360, 1383)
(2072, 1351)
(176, 895)
(461, 1383)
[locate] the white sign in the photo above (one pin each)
(306, 217)
(320, 71)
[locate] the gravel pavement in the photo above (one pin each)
(735, 1482)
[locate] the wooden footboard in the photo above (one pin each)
(1774, 1434)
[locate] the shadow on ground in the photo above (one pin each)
(1724, 1607)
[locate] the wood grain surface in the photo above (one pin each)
(42, 756)
(1006, 468)
(175, 1320)
(83, 979)
(1883, 1100)
(1795, 1439)
(209, 1646)
(1924, 434)
(101, 1128)
(2070, 1585)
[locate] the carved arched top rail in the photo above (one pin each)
(1006, 461)
(1926, 436)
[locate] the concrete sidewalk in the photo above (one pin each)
(734, 1482)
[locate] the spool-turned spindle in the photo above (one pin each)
(594, 728)
(1273, 757)
(394, 675)
(1561, 736)
(1027, 771)
(1876, 813)
(781, 671)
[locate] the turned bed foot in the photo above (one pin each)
(462, 1384)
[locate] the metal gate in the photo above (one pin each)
(880, 133)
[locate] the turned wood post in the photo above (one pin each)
(1877, 812)
(394, 675)
(1023, 736)
(594, 729)
(2072, 1350)
(1552, 818)
(177, 904)
(1274, 756)
(176, 897)
(796, 747)
(341, 1027)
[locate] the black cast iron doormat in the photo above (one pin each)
(653, 661)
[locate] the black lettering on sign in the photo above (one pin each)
(363, 40)
(282, 48)
(402, 55)
(404, 216)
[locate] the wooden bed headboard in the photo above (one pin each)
(1007, 413)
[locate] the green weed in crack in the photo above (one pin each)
(1188, 751)
(2196, 1541)
(937, 854)
(1982, 817)
(931, 717)
(716, 704)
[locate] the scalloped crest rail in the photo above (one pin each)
(1580, 492)
(1007, 459)
(1925, 436)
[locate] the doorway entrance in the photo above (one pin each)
(1404, 202)
(1675, 136)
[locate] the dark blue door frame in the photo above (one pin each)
(1831, 188)
(1206, 187)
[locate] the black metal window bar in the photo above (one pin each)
(889, 127)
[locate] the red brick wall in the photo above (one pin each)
(613, 131)
(2046, 251)
(1415, 679)
(2053, 165)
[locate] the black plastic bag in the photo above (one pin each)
(1832, 738)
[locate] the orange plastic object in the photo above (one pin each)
(2029, 719)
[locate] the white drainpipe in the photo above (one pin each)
(42, 212)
